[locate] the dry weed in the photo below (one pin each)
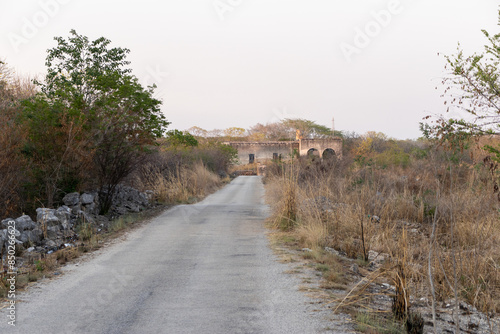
(336, 204)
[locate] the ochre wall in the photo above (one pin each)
(321, 145)
(264, 150)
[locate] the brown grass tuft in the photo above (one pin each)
(335, 204)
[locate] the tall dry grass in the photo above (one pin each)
(356, 209)
(187, 185)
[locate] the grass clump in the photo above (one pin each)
(367, 323)
(85, 231)
(184, 185)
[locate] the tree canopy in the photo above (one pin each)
(90, 111)
(472, 89)
(287, 130)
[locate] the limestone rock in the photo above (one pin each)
(25, 223)
(63, 213)
(3, 238)
(149, 195)
(52, 232)
(5, 223)
(127, 199)
(83, 217)
(71, 199)
(35, 235)
(16, 233)
(332, 251)
(132, 207)
(24, 237)
(87, 198)
(91, 209)
(50, 244)
(47, 216)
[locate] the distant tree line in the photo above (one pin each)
(283, 130)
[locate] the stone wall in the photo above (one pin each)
(55, 229)
(321, 145)
(262, 151)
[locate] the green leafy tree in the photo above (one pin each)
(472, 89)
(179, 138)
(286, 130)
(99, 111)
(308, 129)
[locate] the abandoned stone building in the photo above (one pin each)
(259, 152)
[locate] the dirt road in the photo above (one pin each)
(203, 268)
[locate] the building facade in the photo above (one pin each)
(258, 152)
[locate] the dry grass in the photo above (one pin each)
(245, 169)
(186, 186)
(336, 205)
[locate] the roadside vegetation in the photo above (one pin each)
(421, 216)
(88, 125)
(410, 201)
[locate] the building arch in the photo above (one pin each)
(329, 153)
(321, 145)
(312, 152)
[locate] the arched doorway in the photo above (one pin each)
(312, 152)
(329, 154)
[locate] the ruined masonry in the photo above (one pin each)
(255, 152)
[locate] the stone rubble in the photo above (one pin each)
(55, 229)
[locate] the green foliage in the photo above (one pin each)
(216, 157)
(91, 113)
(286, 130)
(230, 153)
(473, 88)
(307, 128)
(493, 150)
(170, 160)
(179, 138)
(393, 157)
(85, 231)
(362, 161)
(375, 149)
(39, 265)
(419, 153)
(368, 323)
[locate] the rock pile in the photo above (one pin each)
(55, 228)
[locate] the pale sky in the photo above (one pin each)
(373, 65)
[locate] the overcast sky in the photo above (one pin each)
(373, 65)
